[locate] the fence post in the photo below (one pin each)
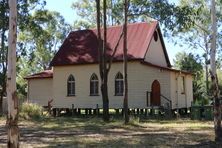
(97, 109)
(72, 109)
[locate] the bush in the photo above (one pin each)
(134, 120)
(30, 111)
(202, 101)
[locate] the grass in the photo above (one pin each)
(93, 132)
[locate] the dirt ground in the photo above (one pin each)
(93, 132)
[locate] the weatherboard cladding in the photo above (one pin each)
(81, 47)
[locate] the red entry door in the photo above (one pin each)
(155, 94)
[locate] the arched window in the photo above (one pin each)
(71, 86)
(94, 85)
(119, 84)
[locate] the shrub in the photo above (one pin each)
(30, 111)
(134, 120)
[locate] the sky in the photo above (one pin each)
(64, 8)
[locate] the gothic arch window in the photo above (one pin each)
(71, 86)
(94, 85)
(119, 86)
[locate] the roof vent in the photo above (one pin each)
(155, 35)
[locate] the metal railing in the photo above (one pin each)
(162, 97)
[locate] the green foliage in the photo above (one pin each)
(202, 101)
(86, 10)
(198, 35)
(24, 7)
(192, 63)
(188, 62)
(40, 35)
(38, 43)
(174, 17)
(31, 111)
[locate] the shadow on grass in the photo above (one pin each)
(202, 144)
(93, 132)
(138, 140)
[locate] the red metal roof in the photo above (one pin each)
(81, 47)
(44, 74)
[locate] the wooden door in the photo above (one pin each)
(155, 94)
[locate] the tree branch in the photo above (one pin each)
(141, 13)
(202, 28)
(114, 52)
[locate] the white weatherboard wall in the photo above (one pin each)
(189, 89)
(40, 91)
(155, 53)
(140, 80)
(179, 99)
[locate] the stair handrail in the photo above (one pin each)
(168, 100)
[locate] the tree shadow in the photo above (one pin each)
(93, 132)
(203, 144)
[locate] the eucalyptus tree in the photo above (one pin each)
(104, 62)
(24, 8)
(125, 68)
(174, 17)
(198, 36)
(12, 116)
(42, 37)
(86, 11)
(38, 43)
(214, 78)
(205, 34)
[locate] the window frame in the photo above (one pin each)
(94, 85)
(182, 89)
(71, 88)
(119, 90)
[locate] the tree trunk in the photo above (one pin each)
(216, 92)
(206, 63)
(2, 51)
(103, 60)
(207, 74)
(105, 71)
(105, 100)
(126, 115)
(12, 119)
(4, 69)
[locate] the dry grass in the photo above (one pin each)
(93, 132)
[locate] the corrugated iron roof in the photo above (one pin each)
(81, 47)
(44, 74)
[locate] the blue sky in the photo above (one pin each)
(64, 8)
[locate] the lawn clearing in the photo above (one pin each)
(93, 132)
